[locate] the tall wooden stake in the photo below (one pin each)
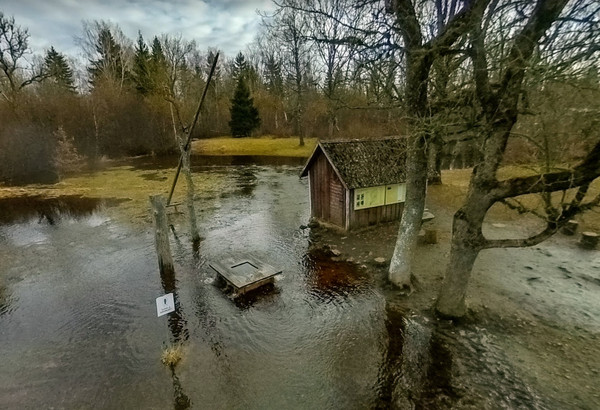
(185, 160)
(191, 130)
(161, 235)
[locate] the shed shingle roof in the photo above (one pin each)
(365, 163)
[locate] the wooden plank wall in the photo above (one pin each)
(329, 200)
(327, 193)
(319, 187)
(337, 204)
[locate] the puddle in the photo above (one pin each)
(331, 278)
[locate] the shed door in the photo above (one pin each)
(337, 202)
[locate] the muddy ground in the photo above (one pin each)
(531, 338)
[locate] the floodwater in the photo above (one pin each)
(78, 325)
(78, 316)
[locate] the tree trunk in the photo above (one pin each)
(467, 241)
(298, 125)
(416, 184)
(451, 298)
(434, 170)
(185, 156)
(161, 236)
(185, 167)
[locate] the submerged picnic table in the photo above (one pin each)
(244, 273)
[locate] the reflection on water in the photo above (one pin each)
(49, 210)
(199, 162)
(328, 278)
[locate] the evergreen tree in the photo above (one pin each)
(58, 71)
(273, 75)
(109, 64)
(158, 66)
(141, 67)
(244, 115)
(210, 60)
(240, 67)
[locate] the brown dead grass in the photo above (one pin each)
(456, 182)
(172, 355)
(266, 145)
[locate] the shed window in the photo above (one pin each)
(360, 200)
(369, 197)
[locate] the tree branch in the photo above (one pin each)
(582, 174)
(551, 228)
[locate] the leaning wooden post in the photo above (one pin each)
(189, 136)
(161, 235)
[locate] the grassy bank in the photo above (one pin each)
(132, 186)
(266, 145)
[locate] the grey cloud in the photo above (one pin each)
(226, 24)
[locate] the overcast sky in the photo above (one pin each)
(229, 25)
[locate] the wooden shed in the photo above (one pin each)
(357, 183)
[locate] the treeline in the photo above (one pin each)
(127, 96)
(318, 68)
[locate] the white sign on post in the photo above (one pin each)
(165, 304)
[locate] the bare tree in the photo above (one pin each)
(13, 51)
(176, 52)
(287, 28)
(420, 56)
(334, 47)
(500, 111)
(109, 52)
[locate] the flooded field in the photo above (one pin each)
(78, 325)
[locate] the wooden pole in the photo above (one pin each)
(189, 137)
(570, 227)
(589, 240)
(161, 235)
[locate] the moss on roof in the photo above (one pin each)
(365, 163)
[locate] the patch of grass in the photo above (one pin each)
(456, 182)
(172, 355)
(130, 186)
(267, 145)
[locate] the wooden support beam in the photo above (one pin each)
(161, 235)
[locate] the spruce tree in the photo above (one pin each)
(158, 67)
(244, 116)
(240, 67)
(109, 65)
(58, 71)
(141, 67)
